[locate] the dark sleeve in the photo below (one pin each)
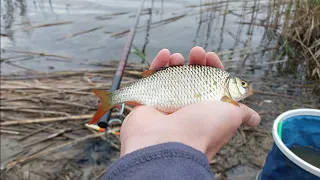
(167, 161)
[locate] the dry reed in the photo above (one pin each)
(301, 32)
(46, 113)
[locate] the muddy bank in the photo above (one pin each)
(44, 133)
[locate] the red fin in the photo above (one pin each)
(133, 103)
(104, 104)
(117, 106)
(229, 100)
(149, 72)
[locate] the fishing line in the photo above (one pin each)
(103, 122)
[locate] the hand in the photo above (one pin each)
(205, 126)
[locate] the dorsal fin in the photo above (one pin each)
(149, 72)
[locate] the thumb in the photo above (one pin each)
(141, 116)
(251, 117)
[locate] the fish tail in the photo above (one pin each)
(105, 104)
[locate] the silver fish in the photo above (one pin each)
(170, 88)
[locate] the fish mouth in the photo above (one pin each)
(250, 91)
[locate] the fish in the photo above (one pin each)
(168, 89)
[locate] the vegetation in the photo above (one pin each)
(300, 36)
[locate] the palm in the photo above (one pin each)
(206, 126)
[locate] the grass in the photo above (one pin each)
(300, 36)
(139, 53)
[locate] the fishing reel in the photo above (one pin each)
(118, 118)
(114, 124)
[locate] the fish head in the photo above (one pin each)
(238, 88)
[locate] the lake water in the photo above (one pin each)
(217, 26)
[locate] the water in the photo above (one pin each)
(308, 154)
(217, 26)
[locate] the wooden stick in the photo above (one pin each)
(161, 22)
(41, 54)
(10, 132)
(40, 149)
(45, 120)
(14, 57)
(77, 91)
(48, 24)
(51, 150)
(57, 60)
(243, 136)
(19, 153)
(39, 76)
(79, 33)
(51, 136)
(29, 91)
(19, 107)
(36, 111)
(16, 129)
(70, 136)
(3, 117)
(67, 103)
(34, 132)
(56, 88)
(65, 74)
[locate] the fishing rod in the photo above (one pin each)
(104, 120)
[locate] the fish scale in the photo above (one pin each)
(175, 87)
(172, 88)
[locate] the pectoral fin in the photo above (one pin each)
(133, 103)
(149, 72)
(229, 100)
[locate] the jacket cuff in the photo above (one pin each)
(157, 152)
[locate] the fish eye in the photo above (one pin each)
(244, 84)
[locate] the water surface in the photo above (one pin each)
(217, 26)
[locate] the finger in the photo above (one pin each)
(197, 56)
(176, 59)
(251, 117)
(161, 59)
(212, 59)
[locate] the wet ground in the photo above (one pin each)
(56, 35)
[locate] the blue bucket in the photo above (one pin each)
(294, 128)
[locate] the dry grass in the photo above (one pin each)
(43, 117)
(301, 30)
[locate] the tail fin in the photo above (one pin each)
(105, 104)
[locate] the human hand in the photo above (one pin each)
(205, 126)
